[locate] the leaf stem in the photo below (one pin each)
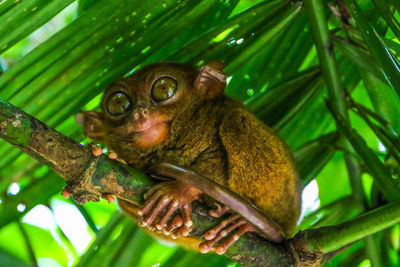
(336, 94)
(331, 238)
(319, 29)
(377, 46)
(101, 238)
(28, 244)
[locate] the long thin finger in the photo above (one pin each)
(209, 244)
(224, 246)
(187, 216)
(173, 206)
(210, 234)
(219, 211)
(161, 204)
(232, 227)
(206, 246)
(152, 191)
(174, 224)
(177, 232)
(184, 231)
(149, 204)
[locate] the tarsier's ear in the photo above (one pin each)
(211, 80)
(92, 122)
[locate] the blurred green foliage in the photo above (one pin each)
(58, 56)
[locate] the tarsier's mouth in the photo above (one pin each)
(146, 129)
(150, 135)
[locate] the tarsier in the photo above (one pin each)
(175, 113)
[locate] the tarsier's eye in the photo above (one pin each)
(118, 103)
(163, 89)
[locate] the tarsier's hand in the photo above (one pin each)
(224, 229)
(162, 201)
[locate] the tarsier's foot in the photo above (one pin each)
(224, 229)
(162, 201)
(219, 211)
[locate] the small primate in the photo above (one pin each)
(174, 113)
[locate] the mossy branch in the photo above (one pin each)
(88, 177)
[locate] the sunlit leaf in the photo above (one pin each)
(378, 48)
(24, 18)
(313, 156)
(8, 260)
(388, 185)
(39, 192)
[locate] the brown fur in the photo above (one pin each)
(215, 137)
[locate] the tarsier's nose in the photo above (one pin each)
(140, 113)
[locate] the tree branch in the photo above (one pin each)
(88, 177)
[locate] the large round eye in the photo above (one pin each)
(118, 103)
(163, 89)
